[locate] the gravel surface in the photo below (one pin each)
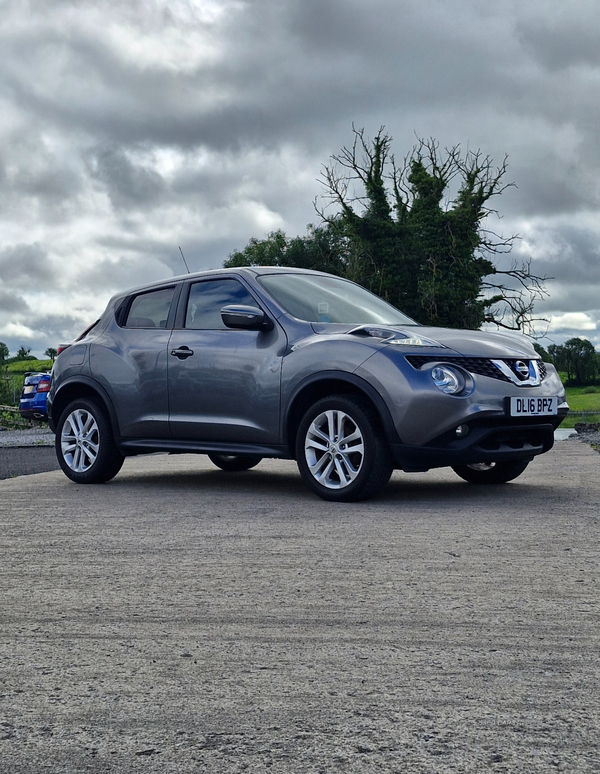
(183, 620)
(590, 436)
(41, 436)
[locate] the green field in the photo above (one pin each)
(584, 403)
(21, 366)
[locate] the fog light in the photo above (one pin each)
(462, 430)
(448, 380)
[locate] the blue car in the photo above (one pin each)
(33, 397)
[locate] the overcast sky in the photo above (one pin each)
(129, 128)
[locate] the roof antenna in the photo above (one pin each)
(183, 256)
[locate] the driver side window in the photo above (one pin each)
(207, 298)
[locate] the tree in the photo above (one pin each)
(4, 353)
(51, 353)
(432, 257)
(578, 358)
(23, 353)
(543, 353)
(394, 230)
(320, 249)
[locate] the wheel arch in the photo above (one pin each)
(82, 387)
(322, 385)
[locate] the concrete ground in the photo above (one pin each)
(182, 619)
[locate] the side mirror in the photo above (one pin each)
(248, 318)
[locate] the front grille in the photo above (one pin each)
(475, 365)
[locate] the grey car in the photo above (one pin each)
(241, 364)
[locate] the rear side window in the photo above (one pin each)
(208, 298)
(150, 310)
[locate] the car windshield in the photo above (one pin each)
(330, 300)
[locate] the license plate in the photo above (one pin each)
(29, 388)
(533, 407)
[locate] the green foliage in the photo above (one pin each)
(320, 249)
(584, 404)
(21, 366)
(4, 353)
(10, 388)
(543, 353)
(51, 353)
(578, 358)
(12, 420)
(23, 353)
(580, 400)
(394, 231)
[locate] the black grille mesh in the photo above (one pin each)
(475, 365)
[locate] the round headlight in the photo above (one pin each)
(448, 380)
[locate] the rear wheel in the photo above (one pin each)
(233, 462)
(341, 452)
(491, 472)
(85, 445)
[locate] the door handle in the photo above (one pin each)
(182, 352)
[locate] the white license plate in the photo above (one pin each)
(29, 388)
(533, 407)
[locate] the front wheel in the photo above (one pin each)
(85, 446)
(233, 462)
(341, 451)
(491, 472)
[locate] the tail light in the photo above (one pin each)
(44, 386)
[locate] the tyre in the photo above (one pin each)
(341, 451)
(233, 462)
(491, 472)
(85, 445)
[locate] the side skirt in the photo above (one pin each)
(151, 445)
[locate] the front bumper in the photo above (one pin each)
(491, 440)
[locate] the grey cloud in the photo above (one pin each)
(575, 257)
(11, 303)
(83, 116)
(570, 42)
(59, 328)
(316, 60)
(104, 278)
(128, 185)
(24, 263)
(550, 185)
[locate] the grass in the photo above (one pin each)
(21, 366)
(584, 403)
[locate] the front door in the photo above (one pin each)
(228, 387)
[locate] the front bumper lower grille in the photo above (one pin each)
(504, 439)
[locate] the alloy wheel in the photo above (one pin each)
(80, 440)
(334, 449)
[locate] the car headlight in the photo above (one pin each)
(448, 380)
(415, 341)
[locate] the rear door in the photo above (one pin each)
(224, 384)
(130, 360)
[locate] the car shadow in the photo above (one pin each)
(437, 488)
